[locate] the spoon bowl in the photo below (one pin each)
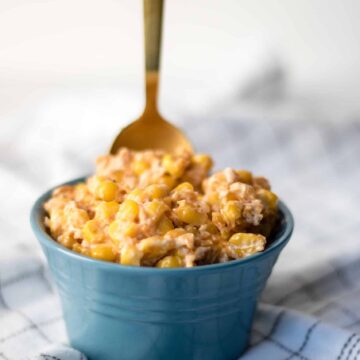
(151, 130)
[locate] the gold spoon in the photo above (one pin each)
(151, 130)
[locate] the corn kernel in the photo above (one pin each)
(173, 167)
(80, 190)
(130, 255)
(244, 176)
(187, 214)
(191, 229)
(155, 208)
(225, 234)
(155, 247)
(85, 251)
(261, 182)
(171, 261)
(119, 229)
(130, 229)
(204, 160)
(173, 234)
(67, 240)
(232, 196)
(91, 232)
(77, 247)
(164, 225)
(184, 186)
(115, 231)
(76, 217)
(128, 210)
(80, 187)
(135, 194)
(211, 228)
(107, 210)
(156, 191)
(140, 166)
(268, 198)
(246, 243)
(212, 198)
(231, 211)
(217, 219)
(103, 252)
(168, 180)
(106, 190)
(181, 252)
(117, 175)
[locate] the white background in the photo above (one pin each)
(78, 54)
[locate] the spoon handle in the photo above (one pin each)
(153, 10)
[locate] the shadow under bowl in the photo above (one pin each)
(116, 312)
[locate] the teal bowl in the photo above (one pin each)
(117, 312)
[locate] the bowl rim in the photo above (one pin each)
(45, 239)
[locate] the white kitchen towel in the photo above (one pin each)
(277, 334)
(311, 306)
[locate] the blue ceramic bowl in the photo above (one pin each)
(117, 312)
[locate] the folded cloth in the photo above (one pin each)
(313, 167)
(277, 334)
(60, 352)
(285, 334)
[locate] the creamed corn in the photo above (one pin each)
(150, 208)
